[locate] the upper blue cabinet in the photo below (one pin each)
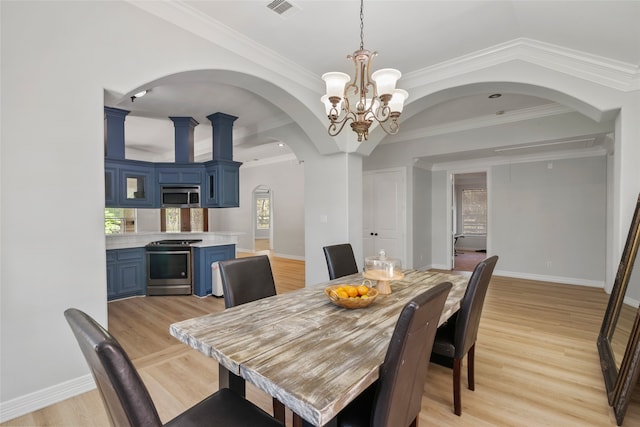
(132, 183)
(129, 183)
(172, 173)
(222, 184)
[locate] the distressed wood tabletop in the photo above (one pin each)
(312, 355)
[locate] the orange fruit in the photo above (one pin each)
(362, 290)
(352, 291)
(342, 294)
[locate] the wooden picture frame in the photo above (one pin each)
(620, 381)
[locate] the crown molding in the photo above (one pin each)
(190, 19)
(510, 160)
(551, 109)
(597, 69)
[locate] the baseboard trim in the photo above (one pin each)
(552, 279)
(47, 396)
(293, 257)
(528, 276)
(276, 254)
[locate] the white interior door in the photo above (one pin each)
(384, 220)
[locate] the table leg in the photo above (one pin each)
(230, 380)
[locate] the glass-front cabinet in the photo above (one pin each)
(129, 184)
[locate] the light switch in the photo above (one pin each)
(323, 219)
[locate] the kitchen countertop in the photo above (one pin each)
(140, 240)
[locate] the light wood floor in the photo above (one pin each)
(467, 260)
(536, 360)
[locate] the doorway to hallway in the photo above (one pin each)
(262, 218)
(469, 219)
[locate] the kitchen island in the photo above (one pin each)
(127, 261)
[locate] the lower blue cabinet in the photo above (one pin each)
(202, 260)
(126, 273)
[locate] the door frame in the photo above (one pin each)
(402, 172)
(254, 214)
(451, 204)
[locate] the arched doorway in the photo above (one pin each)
(262, 219)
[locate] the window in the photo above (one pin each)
(184, 219)
(263, 216)
(119, 220)
(474, 212)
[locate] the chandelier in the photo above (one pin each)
(369, 98)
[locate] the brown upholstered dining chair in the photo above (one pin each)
(127, 399)
(457, 337)
(340, 260)
(395, 399)
(245, 280)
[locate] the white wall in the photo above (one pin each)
(286, 181)
(548, 219)
(545, 224)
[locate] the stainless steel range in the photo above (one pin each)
(170, 267)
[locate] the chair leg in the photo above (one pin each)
(297, 420)
(470, 367)
(457, 405)
(278, 410)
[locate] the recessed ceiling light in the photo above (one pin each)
(139, 94)
(495, 95)
(281, 144)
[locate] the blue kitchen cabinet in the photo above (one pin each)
(179, 173)
(136, 183)
(110, 186)
(222, 184)
(126, 273)
(129, 184)
(203, 258)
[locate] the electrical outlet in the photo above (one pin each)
(549, 264)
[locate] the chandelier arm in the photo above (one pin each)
(333, 127)
(390, 127)
(383, 114)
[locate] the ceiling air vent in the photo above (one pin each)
(282, 6)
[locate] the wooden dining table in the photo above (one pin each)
(312, 355)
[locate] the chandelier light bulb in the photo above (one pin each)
(386, 80)
(397, 100)
(335, 82)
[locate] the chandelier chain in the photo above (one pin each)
(361, 24)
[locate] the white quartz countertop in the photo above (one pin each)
(140, 240)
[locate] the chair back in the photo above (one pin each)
(403, 374)
(468, 317)
(246, 279)
(340, 260)
(123, 393)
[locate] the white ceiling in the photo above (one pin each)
(409, 35)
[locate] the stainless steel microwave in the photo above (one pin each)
(180, 196)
